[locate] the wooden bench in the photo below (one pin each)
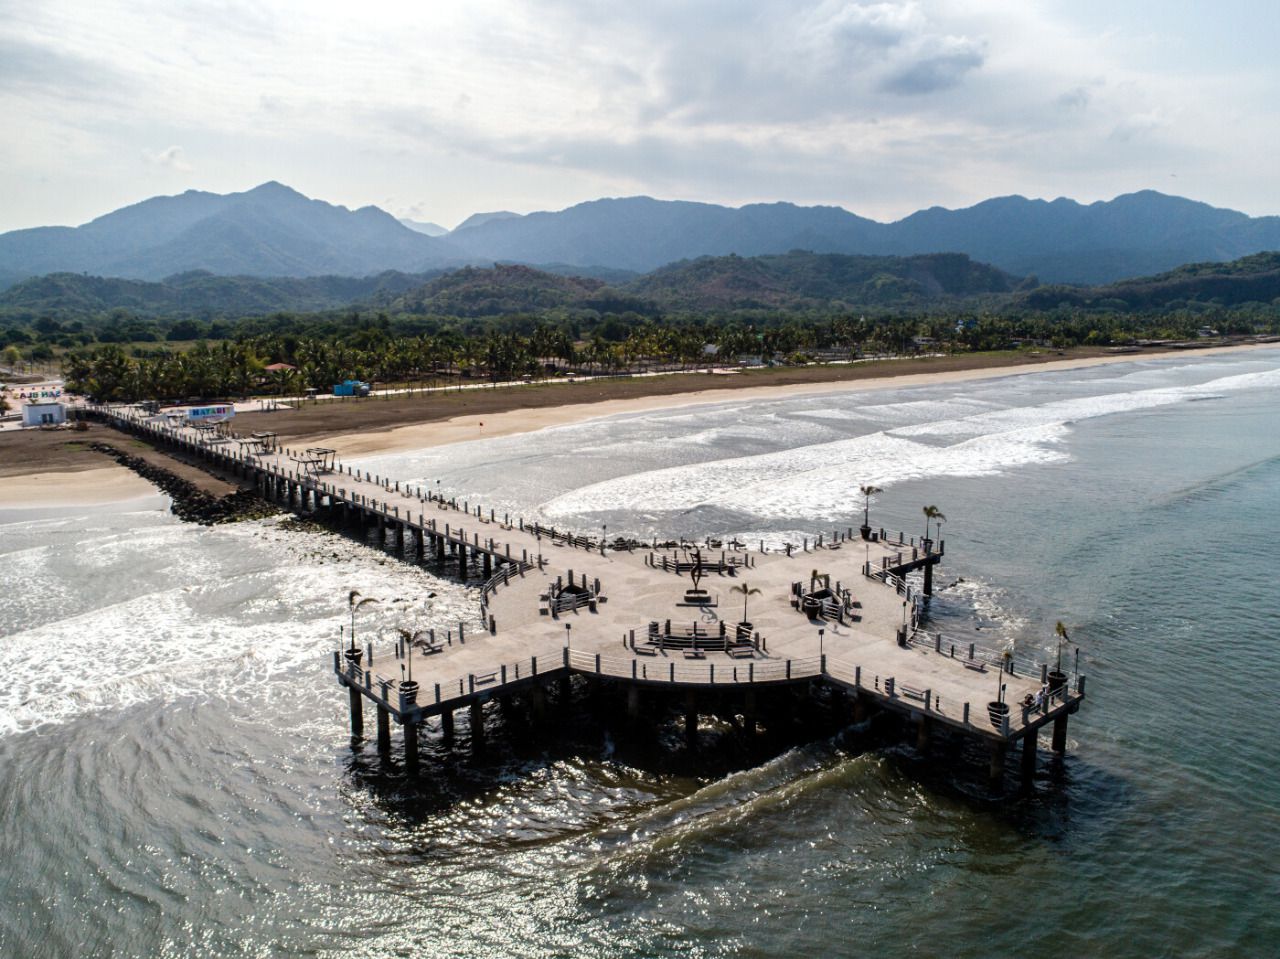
(645, 651)
(912, 692)
(741, 652)
(977, 665)
(695, 654)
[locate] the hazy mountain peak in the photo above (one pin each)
(424, 227)
(478, 219)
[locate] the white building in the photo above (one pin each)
(43, 414)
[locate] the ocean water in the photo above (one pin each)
(176, 777)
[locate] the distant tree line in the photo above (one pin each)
(326, 349)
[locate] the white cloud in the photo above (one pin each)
(882, 106)
(170, 157)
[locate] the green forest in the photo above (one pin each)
(510, 322)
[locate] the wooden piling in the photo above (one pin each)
(384, 730)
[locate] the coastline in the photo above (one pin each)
(82, 481)
(463, 429)
(84, 487)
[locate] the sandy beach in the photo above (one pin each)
(43, 469)
(468, 428)
(91, 487)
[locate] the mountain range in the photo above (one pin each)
(820, 282)
(273, 230)
(796, 281)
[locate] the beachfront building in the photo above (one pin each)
(43, 414)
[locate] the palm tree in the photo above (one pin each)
(867, 492)
(747, 592)
(354, 602)
(410, 637)
(931, 513)
(1061, 630)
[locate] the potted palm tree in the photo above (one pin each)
(931, 513)
(1057, 677)
(408, 687)
(747, 591)
(354, 602)
(867, 492)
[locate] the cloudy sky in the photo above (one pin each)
(436, 110)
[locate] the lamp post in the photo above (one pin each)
(821, 648)
(604, 536)
(568, 636)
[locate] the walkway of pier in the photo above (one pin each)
(834, 609)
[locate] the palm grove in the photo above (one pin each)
(323, 351)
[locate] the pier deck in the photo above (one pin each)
(833, 609)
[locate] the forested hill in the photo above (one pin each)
(791, 281)
(800, 282)
(1251, 279)
(195, 294)
(819, 281)
(507, 289)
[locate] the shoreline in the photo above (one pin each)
(466, 429)
(80, 484)
(82, 487)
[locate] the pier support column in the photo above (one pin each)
(1060, 734)
(357, 712)
(477, 727)
(488, 566)
(537, 704)
(411, 748)
(446, 725)
(462, 561)
(923, 729)
(691, 719)
(382, 530)
(384, 730)
(995, 771)
(399, 538)
(418, 537)
(1028, 760)
(928, 579)
(861, 708)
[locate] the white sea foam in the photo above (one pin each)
(813, 481)
(238, 606)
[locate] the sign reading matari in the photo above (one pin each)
(210, 413)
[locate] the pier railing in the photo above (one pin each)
(695, 673)
(974, 656)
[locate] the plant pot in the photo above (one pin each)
(998, 712)
(353, 656)
(1057, 679)
(866, 532)
(744, 630)
(408, 693)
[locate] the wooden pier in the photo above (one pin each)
(834, 612)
